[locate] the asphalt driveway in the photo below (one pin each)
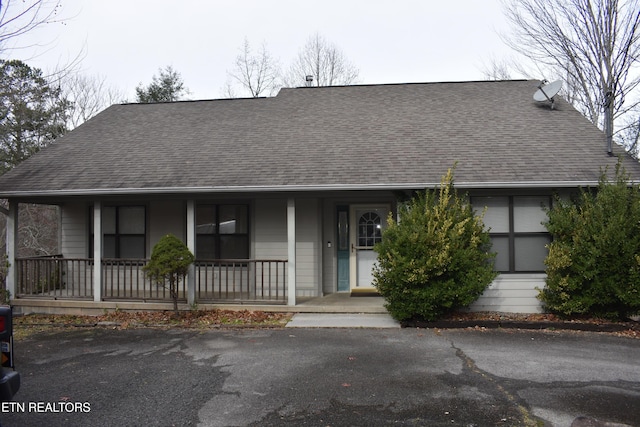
(324, 377)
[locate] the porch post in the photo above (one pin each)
(291, 252)
(97, 251)
(12, 247)
(191, 244)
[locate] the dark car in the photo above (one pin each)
(9, 377)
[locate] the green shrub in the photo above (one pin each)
(436, 258)
(170, 261)
(593, 266)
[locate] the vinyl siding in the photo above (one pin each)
(270, 229)
(308, 226)
(329, 265)
(73, 230)
(512, 293)
(270, 239)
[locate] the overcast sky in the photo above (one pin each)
(126, 41)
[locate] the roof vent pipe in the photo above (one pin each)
(608, 121)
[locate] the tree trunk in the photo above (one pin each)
(173, 290)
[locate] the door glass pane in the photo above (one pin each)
(530, 252)
(496, 218)
(233, 219)
(343, 231)
(131, 220)
(528, 214)
(132, 247)
(205, 219)
(500, 245)
(369, 229)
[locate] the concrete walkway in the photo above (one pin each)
(342, 320)
(340, 310)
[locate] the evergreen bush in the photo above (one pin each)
(435, 258)
(170, 261)
(593, 266)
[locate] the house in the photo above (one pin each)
(284, 198)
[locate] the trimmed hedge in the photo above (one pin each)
(593, 266)
(436, 258)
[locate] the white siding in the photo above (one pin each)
(73, 230)
(512, 293)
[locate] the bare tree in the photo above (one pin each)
(18, 17)
(37, 230)
(592, 44)
(87, 96)
(324, 62)
(257, 72)
(497, 70)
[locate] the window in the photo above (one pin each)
(516, 231)
(222, 231)
(123, 231)
(369, 229)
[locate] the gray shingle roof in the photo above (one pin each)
(391, 136)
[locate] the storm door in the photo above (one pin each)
(368, 222)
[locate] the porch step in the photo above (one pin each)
(342, 320)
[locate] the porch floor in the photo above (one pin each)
(340, 302)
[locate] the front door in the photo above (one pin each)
(368, 223)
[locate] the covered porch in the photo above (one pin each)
(267, 278)
(251, 249)
(342, 302)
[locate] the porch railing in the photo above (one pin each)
(56, 277)
(241, 280)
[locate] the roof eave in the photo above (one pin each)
(289, 188)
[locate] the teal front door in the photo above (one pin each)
(343, 248)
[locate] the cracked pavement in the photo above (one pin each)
(328, 377)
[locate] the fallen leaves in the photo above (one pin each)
(197, 319)
(629, 329)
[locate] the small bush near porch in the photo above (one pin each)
(436, 258)
(170, 261)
